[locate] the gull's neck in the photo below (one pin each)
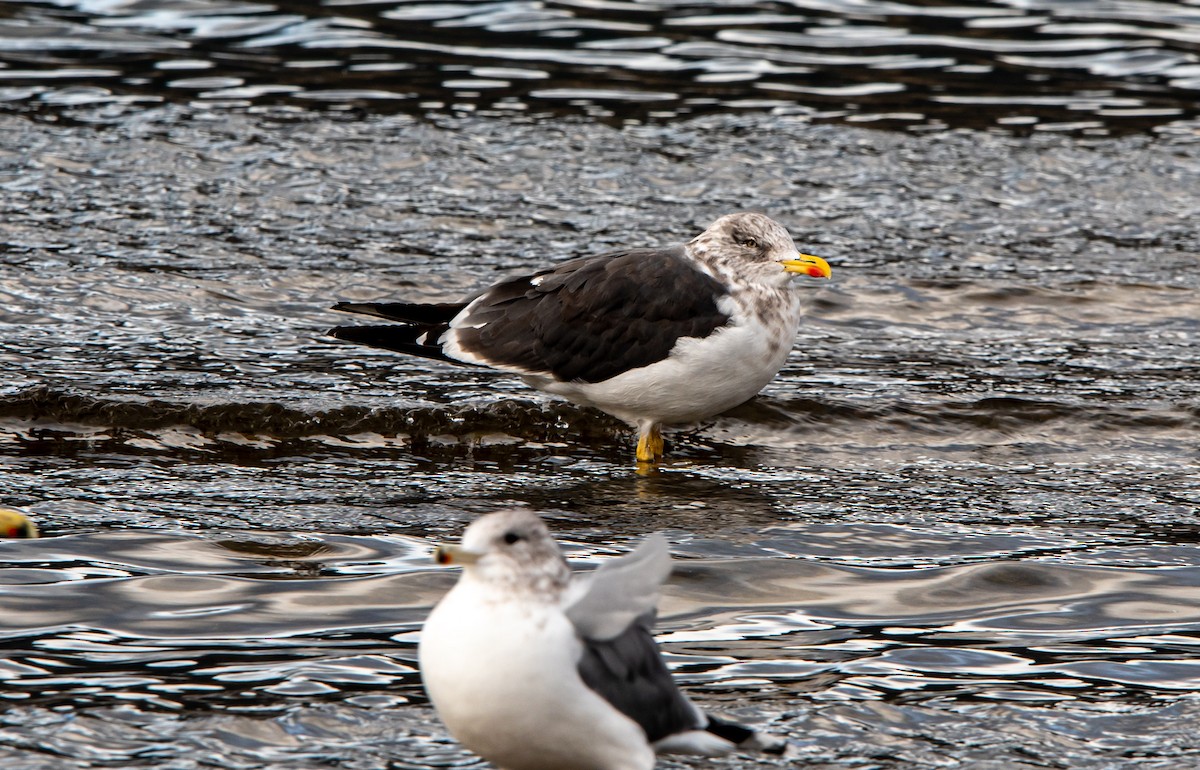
(542, 583)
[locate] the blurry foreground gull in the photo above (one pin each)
(651, 336)
(535, 669)
(14, 523)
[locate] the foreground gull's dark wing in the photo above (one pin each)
(628, 672)
(613, 609)
(592, 318)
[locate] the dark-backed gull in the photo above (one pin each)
(650, 336)
(534, 668)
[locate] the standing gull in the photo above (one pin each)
(650, 336)
(533, 668)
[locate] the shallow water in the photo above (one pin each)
(140, 649)
(1083, 66)
(959, 530)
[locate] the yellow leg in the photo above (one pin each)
(650, 444)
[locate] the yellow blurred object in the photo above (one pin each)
(16, 524)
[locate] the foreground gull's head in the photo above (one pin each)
(512, 547)
(13, 523)
(742, 242)
(534, 668)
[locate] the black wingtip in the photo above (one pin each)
(428, 314)
(744, 737)
(730, 731)
(399, 338)
(354, 307)
(376, 336)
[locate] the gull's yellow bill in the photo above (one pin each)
(807, 264)
(454, 554)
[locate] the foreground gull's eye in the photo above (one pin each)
(750, 243)
(511, 537)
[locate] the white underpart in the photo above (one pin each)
(501, 671)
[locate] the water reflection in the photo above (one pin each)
(1087, 67)
(779, 624)
(209, 631)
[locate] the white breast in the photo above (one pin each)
(701, 377)
(503, 678)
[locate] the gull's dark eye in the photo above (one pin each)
(511, 537)
(749, 243)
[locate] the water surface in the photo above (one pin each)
(1090, 67)
(280, 649)
(959, 530)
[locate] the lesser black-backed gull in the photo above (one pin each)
(650, 336)
(534, 668)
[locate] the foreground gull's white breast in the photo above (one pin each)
(534, 668)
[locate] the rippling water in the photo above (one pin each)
(154, 644)
(1088, 66)
(959, 530)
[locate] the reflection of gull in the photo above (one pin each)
(13, 523)
(651, 336)
(534, 670)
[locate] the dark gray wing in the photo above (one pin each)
(613, 610)
(592, 318)
(628, 671)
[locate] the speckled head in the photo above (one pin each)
(513, 549)
(753, 247)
